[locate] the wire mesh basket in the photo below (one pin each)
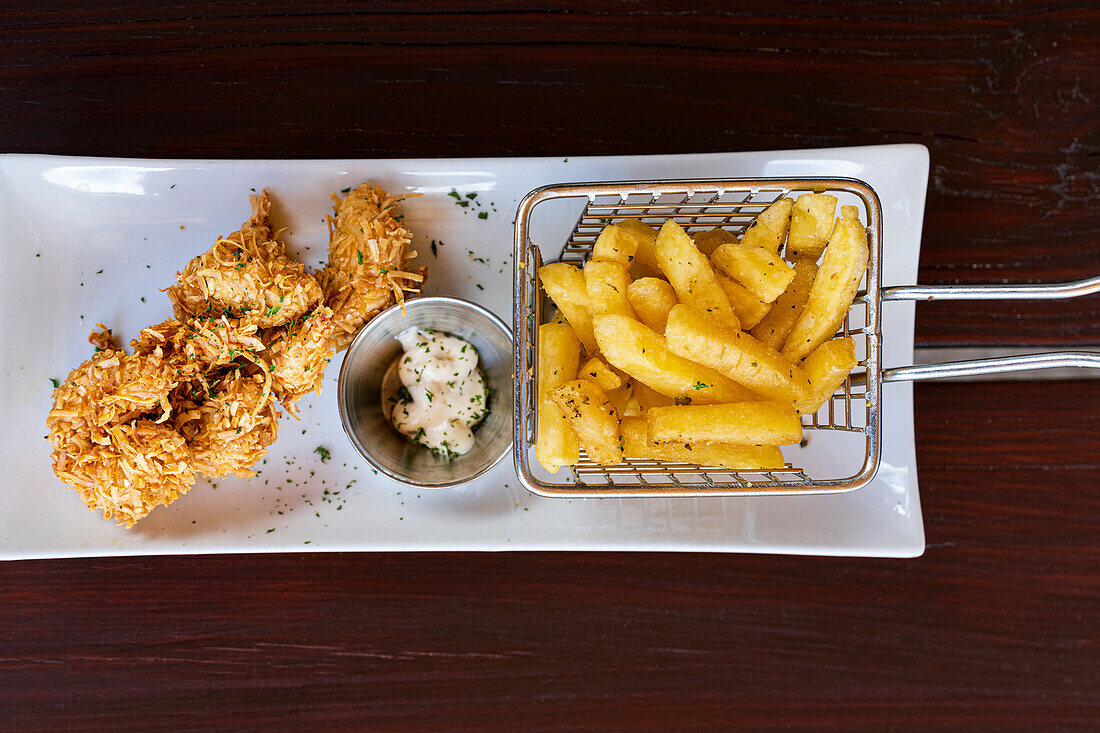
(843, 439)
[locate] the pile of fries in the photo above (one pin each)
(699, 349)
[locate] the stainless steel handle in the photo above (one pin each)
(1041, 291)
(1002, 364)
(995, 365)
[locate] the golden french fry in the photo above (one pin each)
(811, 225)
(645, 254)
(648, 397)
(711, 239)
(743, 423)
(596, 370)
(704, 339)
(769, 230)
(636, 444)
(652, 299)
(774, 327)
(749, 309)
(689, 272)
(643, 353)
(827, 367)
(622, 399)
(835, 286)
(592, 417)
(559, 351)
(761, 271)
(566, 287)
(606, 283)
(615, 245)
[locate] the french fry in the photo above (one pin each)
(835, 286)
(827, 367)
(769, 229)
(636, 444)
(595, 370)
(592, 417)
(774, 327)
(645, 253)
(566, 287)
(761, 271)
(704, 339)
(749, 309)
(555, 442)
(606, 283)
(743, 423)
(615, 245)
(689, 272)
(648, 397)
(643, 353)
(709, 240)
(811, 225)
(652, 299)
(622, 399)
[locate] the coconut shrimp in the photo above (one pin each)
(298, 355)
(246, 276)
(231, 426)
(370, 266)
(111, 441)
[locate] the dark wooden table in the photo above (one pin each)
(995, 626)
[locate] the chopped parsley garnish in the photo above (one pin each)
(359, 256)
(56, 382)
(700, 385)
(483, 215)
(323, 452)
(345, 190)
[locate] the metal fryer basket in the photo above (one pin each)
(854, 410)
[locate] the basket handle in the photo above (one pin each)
(1001, 364)
(994, 365)
(1041, 291)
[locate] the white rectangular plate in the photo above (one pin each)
(87, 240)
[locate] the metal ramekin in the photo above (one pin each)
(372, 352)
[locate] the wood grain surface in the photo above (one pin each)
(995, 627)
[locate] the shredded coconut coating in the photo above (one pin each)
(202, 345)
(299, 354)
(370, 266)
(103, 339)
(233, 427)
(111, 387)
(246, 277)
(131, 469)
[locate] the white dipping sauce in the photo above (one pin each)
(446, 396)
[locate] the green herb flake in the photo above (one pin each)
(483, 215)
(359, 256)
(323, 452)
(56, 382)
